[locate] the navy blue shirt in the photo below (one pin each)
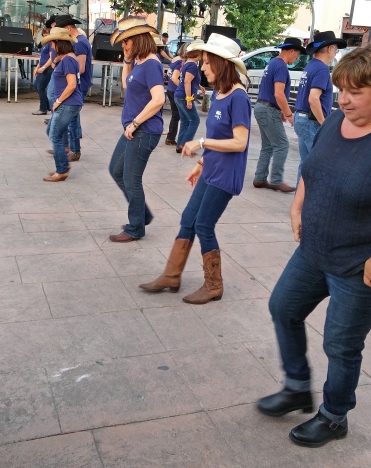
(336, 214)
(68, 65)
(83, 47)
(190, 67)
(316, 74)
(173, 66)
(45, 54)
(276, 71)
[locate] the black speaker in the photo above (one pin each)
(102, 49)
(208, 29)
(16, 40)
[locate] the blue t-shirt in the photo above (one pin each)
(191, 68)
(275, 71)
(45, 54)
(83, 47)
(227, 170)
(173, 66)
(139, 83)
(316, 74)
(68, 65)
(54, 53)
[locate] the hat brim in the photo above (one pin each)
(339, 42)
(48, 24)
(58, 37)
(302, 50)
(135, 31)
(238, 63)
(67, 22)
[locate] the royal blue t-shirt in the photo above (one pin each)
(173, 66)
(54, 53)
(139, 82)
(275, 71)
(45, 54)
(227, 170)
(83, 47)
(68, 65)
(316, 74)
(192, 68)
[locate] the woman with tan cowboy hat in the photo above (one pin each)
(141, 119)
(68, 101)
(218, 175)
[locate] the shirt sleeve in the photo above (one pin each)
(69, 65)
(191, 68)
(240, 110)
(321, 80)
(80, 48)
(280, 72)
(154, 74)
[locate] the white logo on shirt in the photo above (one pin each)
(218, 115)
(130, 78)
(303, 79)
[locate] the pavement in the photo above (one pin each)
(96, 373)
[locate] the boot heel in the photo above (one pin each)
(307, 410)
(217, 298)
(174, 289)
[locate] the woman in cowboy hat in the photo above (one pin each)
(68, 101)
(141, 119)
(218, 175)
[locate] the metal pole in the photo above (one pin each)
(159, 16)
(313, 18)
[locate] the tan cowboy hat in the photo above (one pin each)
(131, 27)
(158, 41)
(223, 47)
(58, 34)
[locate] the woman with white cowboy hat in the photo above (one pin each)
(68, 101)
(141, 119)
(218, 175)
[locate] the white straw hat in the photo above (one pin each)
(131, 27)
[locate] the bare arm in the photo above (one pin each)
(279, 94)
(315, 104)
(165, 55)
(82, 62)
(68, 90)
(175, 77)
(296, 208)
(126, 70)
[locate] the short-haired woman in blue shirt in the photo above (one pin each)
(218, 175)
(68, 99)
(43, 73)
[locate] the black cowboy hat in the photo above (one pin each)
(51, 20)
(65, 20)
(292, 43)
(324, 39)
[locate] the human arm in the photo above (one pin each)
(68, 90)
(82, 62)
(367, 273)
(126, 70)
(279, 94)
(295, 212)
(315, 104)
(175, 77)
(47, 64)
(188, 87)
(165, 55)
(202, 89)
(195, 173)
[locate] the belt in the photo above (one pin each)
(267, 103)
(302, 113)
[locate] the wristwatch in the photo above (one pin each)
(202, 141)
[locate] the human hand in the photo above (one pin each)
(296, 225)
(190, 148)
(367, 273)
(290, 119)
(55, 106)
(202, 89)
(194, 175)
(189, 104)
(130, 129)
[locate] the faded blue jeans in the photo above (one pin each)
(56, 132)
(205, 207)
(189, 121)
(306, 130)
(275, 145)
(127, 166)
(40, 85)
(75, 130)
(299, 290)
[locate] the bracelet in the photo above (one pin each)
(135, 123)
(287, 116)
(127, 63)
(58, 101)
(190, 98)
(200, 162)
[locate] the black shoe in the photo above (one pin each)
(318, 431)
(285, 401)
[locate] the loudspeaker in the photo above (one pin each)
(208, 29)
(102, 49)
(16, 40)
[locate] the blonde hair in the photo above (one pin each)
(354, 69)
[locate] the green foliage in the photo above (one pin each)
(134, 7)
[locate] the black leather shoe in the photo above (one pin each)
(318, 431)
(285, 401)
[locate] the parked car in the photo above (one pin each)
(174, 45)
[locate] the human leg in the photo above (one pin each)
(183, 120)
(193, 122)
(263, 119)
(174, 122)
(280, 145)
(306, 130)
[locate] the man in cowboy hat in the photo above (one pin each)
(315, 94)
(83, 54)
(271, 110)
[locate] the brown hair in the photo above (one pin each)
(63, 47)
(143, 45)
(193, 53)
(45, 30)
(182, 51)
(353, 70)
(225, 73)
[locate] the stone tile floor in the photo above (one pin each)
(97, 373)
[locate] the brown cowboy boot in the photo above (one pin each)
(212, 288)
(170, 278)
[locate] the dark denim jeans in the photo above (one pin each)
(306, 130)
(75, 130)
(56, 132)
(40, 85)
(127, 166)
(205, 207)
(299, 290)
(174, 122)
(189, 121)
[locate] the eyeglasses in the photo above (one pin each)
(125, 41)
(335, 47)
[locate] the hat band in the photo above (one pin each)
(317, 44)
(216, 44)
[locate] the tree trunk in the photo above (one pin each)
(127, 12)
(214, 10)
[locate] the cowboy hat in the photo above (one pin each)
(158, 41)
(131, 27)
(324, 39)
(221, 46)
(65, 20)
(292, 43)
(51, 20)
(58, 34)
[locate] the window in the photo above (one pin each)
(260, 61)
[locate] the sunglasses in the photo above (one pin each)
(125, 41)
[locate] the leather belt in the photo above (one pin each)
(267, 103)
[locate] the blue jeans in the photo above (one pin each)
(205, 207)
(56, 132)
(75, 130)
(40, 85)
(127, 166)
(299, 290)
(306, 130)
(50, 92)
(189, 121)
(275, 145)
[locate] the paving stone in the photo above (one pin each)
(270, 232)
(136, 261)
(52, 222)
(10, 223)
(9, 271)
(36, 205)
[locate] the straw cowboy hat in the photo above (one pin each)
(292, 43)
(324, 39)
(58, 34)
(131, 27)
(223, 47)
(65, 20)
(158, 41)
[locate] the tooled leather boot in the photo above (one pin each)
(170, 278)
(212, 289)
